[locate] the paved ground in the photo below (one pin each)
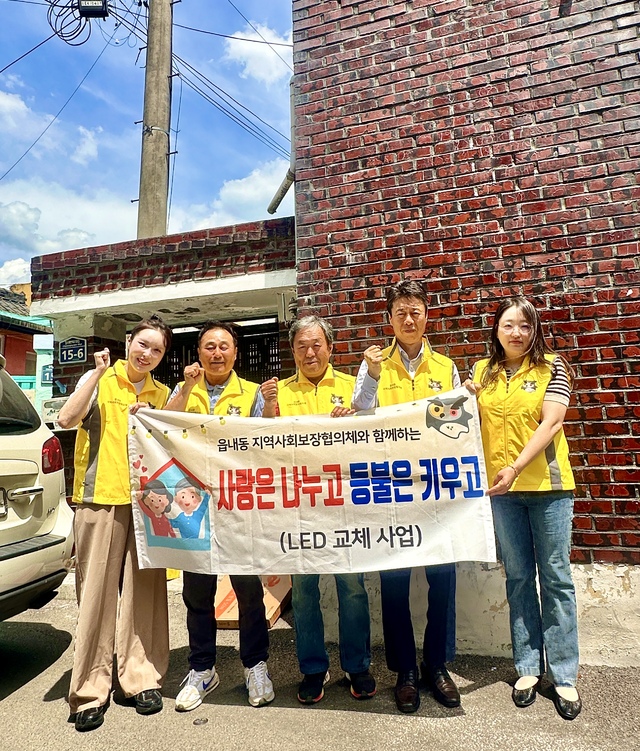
(35, 662)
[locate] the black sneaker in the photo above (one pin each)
(311, 689)
(363, 685)
(148, 701)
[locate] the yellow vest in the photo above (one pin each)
(237, 398)
(434, 374)
(101, 457)
(298, 396)
(510, 412)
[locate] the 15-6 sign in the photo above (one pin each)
(72, 350)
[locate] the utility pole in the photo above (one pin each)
(154, 165)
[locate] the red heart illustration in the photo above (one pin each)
(141, 456)
(136, 464)
(144, 469)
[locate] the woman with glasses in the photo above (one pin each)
(523, 391)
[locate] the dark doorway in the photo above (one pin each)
(258, 353)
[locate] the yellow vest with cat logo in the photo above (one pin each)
(298, 396)
(101, 459)
(510, 412)
(433, 376)
(236, 399)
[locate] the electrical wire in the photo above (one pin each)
(175, 152)
(223, 94)
(64, 19)
(28, 53)
(259, 34)
(57, 115)
(223, 106)
(130, 39)
(230, 36)
(26, 2)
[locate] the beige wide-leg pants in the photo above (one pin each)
(122, 609)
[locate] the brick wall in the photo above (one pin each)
(203, 254)
(485, 148)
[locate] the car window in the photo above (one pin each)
(17, 414)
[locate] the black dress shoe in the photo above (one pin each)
(148, 701)
(89, 719)
(406, 691)
(568, 710)
(442, 685)
(524, 697)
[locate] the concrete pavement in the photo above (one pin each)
(36, 658)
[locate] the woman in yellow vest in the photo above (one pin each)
(122, 609)
(523, 392)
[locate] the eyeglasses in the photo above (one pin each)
(525, 329)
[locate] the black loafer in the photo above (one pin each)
(442, 685)
(524, 697)
(406, 692)
(568, 710)
(89, 719)
(148, 701)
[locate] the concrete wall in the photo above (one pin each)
(608, 611)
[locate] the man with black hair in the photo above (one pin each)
(408, 370)
(211, 386)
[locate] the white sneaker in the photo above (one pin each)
(259, 685)
(195, 687)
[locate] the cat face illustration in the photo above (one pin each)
(336, 400)
(435, 385)
(529, 386)
(233, 410)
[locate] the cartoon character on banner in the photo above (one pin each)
(190, 499)
(175, 508)
(155, 502)
(448, 416)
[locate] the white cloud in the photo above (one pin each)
(17, 118)
(51, 218)
(260, 61)
(15, 271)
(242, 200)
(12, 81)
(87, 149)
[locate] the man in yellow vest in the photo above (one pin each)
(407, 370)
(318, 389)
(213, 387)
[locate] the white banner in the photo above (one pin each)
(399, 488)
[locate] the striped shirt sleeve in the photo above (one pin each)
(559, 388)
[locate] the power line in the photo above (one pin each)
(230, 36)
(84, 78)
(175, 151)
(222, 106)
(26, 2)
(259, 34)
(28, 53)
(214, 87)
(265, 139)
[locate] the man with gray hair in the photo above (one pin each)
(318, 389)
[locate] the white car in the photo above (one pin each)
(36, 523)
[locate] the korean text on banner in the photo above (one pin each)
(399, 488)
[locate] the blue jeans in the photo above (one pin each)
(353, 623)
(534, 532)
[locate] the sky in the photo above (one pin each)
(70, 179)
